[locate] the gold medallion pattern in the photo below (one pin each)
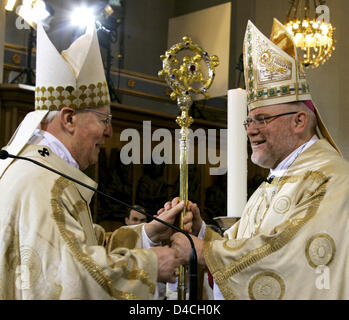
(29, 268)
(320, 250)
(282, 204)
(266, 286)
(272, 245)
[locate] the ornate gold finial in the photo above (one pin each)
(189, 77)
(186, 79)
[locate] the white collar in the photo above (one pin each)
(282, 167)
(44, 138)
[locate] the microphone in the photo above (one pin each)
(269, 180)
(4, 154)
(193, 256)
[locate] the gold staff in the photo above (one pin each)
(185, 80)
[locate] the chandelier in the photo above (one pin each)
(312, 31)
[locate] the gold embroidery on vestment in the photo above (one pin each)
(320, 250)
(93, 269)
(210, 258)
(30, 268)
(233, 245)
(124, 238)
(211, 235)
(282, 204)
(266, 286)
(274, 244)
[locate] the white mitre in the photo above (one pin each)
(273, 72)
(74, 79)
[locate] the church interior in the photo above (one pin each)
(133, 34)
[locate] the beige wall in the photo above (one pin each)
(2, 37)
(329, 83)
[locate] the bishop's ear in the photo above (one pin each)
(300, 122)
(68, 119)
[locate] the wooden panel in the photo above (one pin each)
(15, 102)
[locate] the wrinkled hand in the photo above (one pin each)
(167, 263)
(157, 232)
(190, 225)
(181, 244)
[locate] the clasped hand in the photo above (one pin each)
(192, 221)
(170, 258)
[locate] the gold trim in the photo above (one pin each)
(85, 96)
(282, 204)
(89, 264)
(260, 82)
(211, 235)
(227, 291)
(210, 257)
(274, 96)
(310, 241)
(78, 207)
(142, 275)
(259, 277)
(239, 244)
(317, 176)
(123, 237)
(273, 55)
(274, 244)
(30, 259)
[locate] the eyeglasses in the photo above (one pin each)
(107, 120)
(262, 121)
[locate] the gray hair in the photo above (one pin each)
(301, 106)
(50, 116)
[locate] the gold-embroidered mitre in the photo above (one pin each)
(74, 78)
(273, 73)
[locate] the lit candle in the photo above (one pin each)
(236, 153)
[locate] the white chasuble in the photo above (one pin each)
(49, 247)
(292, 241)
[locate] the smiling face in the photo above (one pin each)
(89, 136)
(274, 142)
